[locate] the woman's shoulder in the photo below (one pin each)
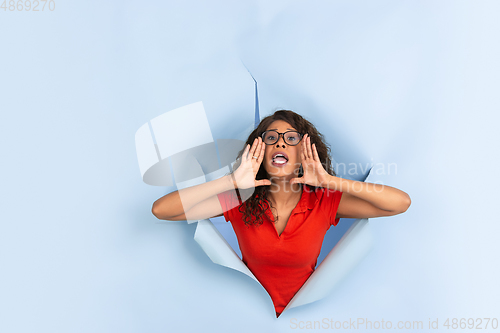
(316, 190)
(229, 199)
(323, 194)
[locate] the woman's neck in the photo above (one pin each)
(282, 193)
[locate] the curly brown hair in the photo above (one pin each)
(253, 209)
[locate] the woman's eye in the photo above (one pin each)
(270, 137)
(292, 138)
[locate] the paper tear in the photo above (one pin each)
(218, 249)
(194, 161)
(257, 113)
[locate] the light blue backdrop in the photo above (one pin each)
(413, 83)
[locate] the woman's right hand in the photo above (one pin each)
(244, 176)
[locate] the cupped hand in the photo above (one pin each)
(314, 173)
(245, 175)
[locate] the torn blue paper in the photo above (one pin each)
(168, 156)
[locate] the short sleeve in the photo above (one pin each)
(332, 201)
(229, 202)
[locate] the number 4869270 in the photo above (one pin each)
(27, 5)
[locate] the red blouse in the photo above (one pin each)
(283, 263)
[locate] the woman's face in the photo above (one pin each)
(288, 163)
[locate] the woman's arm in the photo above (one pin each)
(177, 205)
(359, 199)
(200, 201)
(365, 200)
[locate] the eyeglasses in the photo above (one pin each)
(291, 138)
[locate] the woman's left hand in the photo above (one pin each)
(314, 173)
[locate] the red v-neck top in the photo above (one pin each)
(283, 263)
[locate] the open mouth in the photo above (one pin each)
(279, 159)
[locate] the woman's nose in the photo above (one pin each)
(278, 144)
(281, 138)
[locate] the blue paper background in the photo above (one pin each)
(408, 82)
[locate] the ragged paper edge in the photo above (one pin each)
(218, 249)
(351, 249)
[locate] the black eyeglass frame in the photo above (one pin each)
(281, 134)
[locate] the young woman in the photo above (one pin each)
(287, 196)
